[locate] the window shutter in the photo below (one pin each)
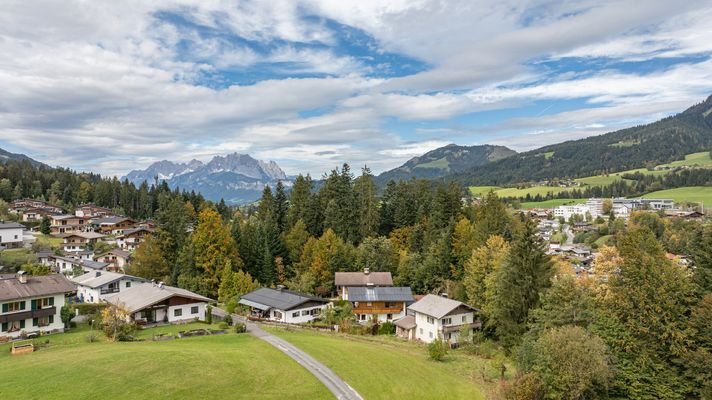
(51, 301)
(33, 304)
(35, 321)
(4, 326)
(22, 324)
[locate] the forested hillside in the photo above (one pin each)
(660, 142)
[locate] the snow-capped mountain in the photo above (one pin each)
(237, 178)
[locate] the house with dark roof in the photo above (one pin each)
(112, 225)
(439, 317)
(283, 305)
(346, 280)
(32, 304)
(149, 303)
(379, 303)
(95, 286)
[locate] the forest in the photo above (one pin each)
(639, 323)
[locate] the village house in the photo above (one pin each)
(92, 211)
(150, 303)
(10, 235)
(95, 286)
(379, 303)
(80, 254)
(61, 224)
(32, 304)
(132, 238)
(35, 214)
(439, 317)
(22, 206)
(67, 265)
(283, 305)
(116, 258)
(112, 225)
(79, 241)
(346, 280)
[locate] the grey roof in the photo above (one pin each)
(11, 225)
(407, 322)
(43, 254)
(109, 220)
(84, 235)
(138, 297)
(437, 306)
(117, 252)
(362, 278)
(11, 288)
(279, 299)
(380, 294)
(83, 263)
(92, 280)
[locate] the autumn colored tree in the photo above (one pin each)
(149, 261)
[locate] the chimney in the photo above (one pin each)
(160, 285)
(366, 271)
(370, 284)
(22, 276)
(153, 282)
(280, 287)
(444, 295)
(98, 274)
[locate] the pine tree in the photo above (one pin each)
(365, 192)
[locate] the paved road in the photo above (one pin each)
(338, 387)
(569, 235)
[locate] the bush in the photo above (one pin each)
(92, 337)
(387, 328)
(525, 387)
(231, 305)
(228, 320)
(223, 325)
(437, 350)
(240, 327)
(209, 314)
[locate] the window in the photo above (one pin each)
(295, 314)
(277, 314)
(389, 317)
(369, 304)
(194, 310)
(388, 305)
(431, 320)
(43, 302)
(315, 311)
(447, 321)
(362, 317)
(305, 312)
(464, 319)
(430, 334)
(128, 284)
(43, 321)
(178, 312)
(14, 306)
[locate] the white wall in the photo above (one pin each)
(93, 295)
(288, 316)
(10, 236)
(428, 332)
(186, 312)
(55, 325)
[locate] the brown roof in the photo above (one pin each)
(11, 288)
(407, 322)
(362, 279)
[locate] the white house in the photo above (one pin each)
(150, 303)
(10, 235)
(32, 304)
(578, 209)
(95, 286)
(79, 241)
(283, 305)
(440, 317)
(66, 265)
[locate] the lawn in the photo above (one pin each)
(532, 191)
(694, 194)
(391, 368)
(481, 191)
(226, 366)
(16, 257)
(48, 241)
(442, 163)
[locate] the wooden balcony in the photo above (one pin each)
(377, 310)
(22, 315)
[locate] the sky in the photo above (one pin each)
(112, 86)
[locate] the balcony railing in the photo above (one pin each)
(109, 290)
(377, 310)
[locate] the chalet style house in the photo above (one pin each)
(379, 303)
(150, 303)
(283, 305)
(116, 258)
(92, 211)
(32, 304)
(132, 238)
(79, 241)
(95, 286)
(112, 225)
(60, 224)
(435, 317)
(347, 280)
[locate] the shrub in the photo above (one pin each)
(526, 387)
(437, 350)
(228, 320)
(209, 314)
(223, 325)
(387, 328)
(240, 327)
(231, 305)
(92, 337)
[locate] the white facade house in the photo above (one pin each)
(150, 303)
(66, 265)
(282, 305)
(10, 235)
(440, 317)
(32, 304)
(95, 286)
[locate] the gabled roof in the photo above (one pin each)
(11, 288)
(128, 232)
(407, 322)
(138, 297)
(110, 220)
(380, 294)
(437, 306)
(84, 235)
(363, 278)
(11, 225)
(95, 279)
(275, 298)
(117, 252)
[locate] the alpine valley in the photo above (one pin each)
(236, 178)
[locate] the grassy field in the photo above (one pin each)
(16, 257)
(442, 163)
(481, 191)
(391, 368)
(227, 366)
(693, 194)
(532, 191)
(49, 241)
